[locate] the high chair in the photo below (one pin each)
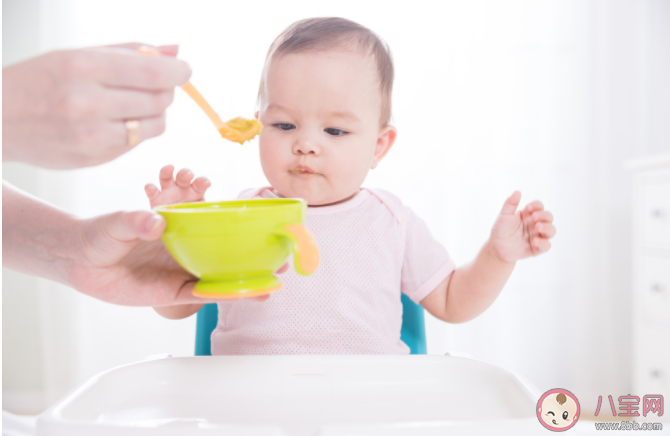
(298, 395)
(413, 331)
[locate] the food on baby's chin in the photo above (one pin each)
(240, 129)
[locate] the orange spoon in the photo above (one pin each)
(237, 130)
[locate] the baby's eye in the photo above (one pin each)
(335, 132)
(284, 126)
(565, 415)
(551, 413)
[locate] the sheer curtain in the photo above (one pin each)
(545, 97)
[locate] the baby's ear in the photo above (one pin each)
(385, 141)
(256, 115)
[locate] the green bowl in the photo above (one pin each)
(234, 247)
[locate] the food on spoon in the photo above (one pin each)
(236, 130)
(240, 129)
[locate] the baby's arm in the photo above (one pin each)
(180, 189)
(472, 288)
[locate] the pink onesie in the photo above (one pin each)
(372, 248)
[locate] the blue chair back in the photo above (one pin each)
(413, 331)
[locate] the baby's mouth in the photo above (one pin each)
(554, 421)
(304, 170)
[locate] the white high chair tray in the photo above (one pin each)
(297, 396)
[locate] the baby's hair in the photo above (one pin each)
(326, 33)
(560, 399)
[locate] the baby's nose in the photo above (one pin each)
(305, 150)
(306, 146)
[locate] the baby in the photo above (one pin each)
(325, 102)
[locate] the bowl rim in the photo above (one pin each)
(204, 206)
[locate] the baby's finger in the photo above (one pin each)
(184, 177)
(535, 205)
(165, 177)
(540, 245)
(152, 191)
(546, 230)
(526, 216)
(201, 184)
(509, 208)
(543, 216)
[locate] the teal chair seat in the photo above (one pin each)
(413, 331)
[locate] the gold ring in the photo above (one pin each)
(134, 136)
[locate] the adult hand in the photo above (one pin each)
(67, 109)
(118, 258)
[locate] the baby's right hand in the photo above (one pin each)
(177, 190)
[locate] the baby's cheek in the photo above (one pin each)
(264, 145)
(353, 171)
(270, 172)
(271, 157)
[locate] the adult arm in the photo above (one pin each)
(118, 258)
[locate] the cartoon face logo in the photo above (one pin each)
(558, 410)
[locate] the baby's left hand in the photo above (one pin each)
(520, 234)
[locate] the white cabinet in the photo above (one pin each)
(651, 279)
(654, 222)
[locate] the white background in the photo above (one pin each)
(548, 97)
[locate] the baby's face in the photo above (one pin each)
(321, 135)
